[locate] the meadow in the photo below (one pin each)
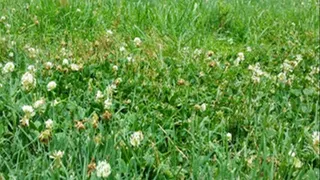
(159, 89)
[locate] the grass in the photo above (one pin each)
(202, 115)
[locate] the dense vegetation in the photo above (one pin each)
(156, 89)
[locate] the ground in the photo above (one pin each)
(156, 89)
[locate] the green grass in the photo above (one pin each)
(161, 92)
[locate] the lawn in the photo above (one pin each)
(159, 89)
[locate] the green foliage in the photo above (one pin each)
(201, 114)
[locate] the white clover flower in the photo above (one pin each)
(136, 138)
(48, 65)
(282, 77)
(103, 169)
(28, 110)
(288, 66)
(229, 137)
(137, 41)
(49, 124)
(75, 67)
(241, 56)
(24, 121)
(57, 155)
(130, 59)
(256, 69)
(9, 67)
(109, 89)
(32, 52)
(11, 54)
(65, 62)
(51, 85)
(28, 81)
(31, 68)
(107, 104)
(99, 96)
(122, 49)
(203, 107)
(3, 18)
(114, 86)
(39, 103)
(257, 73)
(249, 49)
(109, 32)
(115, 68)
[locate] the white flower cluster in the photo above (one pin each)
(48, 65)
(122, 49)
(107, 104)
(28, 113)
(103, 169)
(106, 95)
(282, 77)
(75, 67)
(51, 85)
(130, 59)
(39, 103)
(31, 68)
(28, 81)
(288, 67)
(49, 124)
(137, 41)
(66, 64)
(229, 137)
(57, 155)
(239, 58)
(257, 73)
(136, 138)
(32, 52)
(8, 67)
(99, 96)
